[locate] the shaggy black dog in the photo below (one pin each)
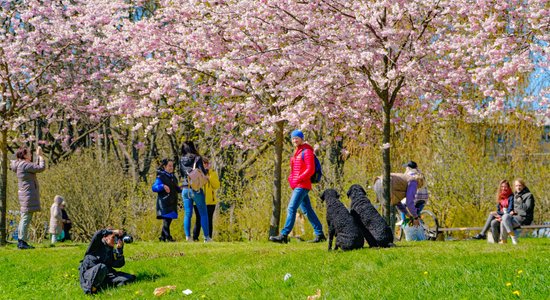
(341, 224)
(373, 226)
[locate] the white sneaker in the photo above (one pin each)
(208, 240)
(515, 240)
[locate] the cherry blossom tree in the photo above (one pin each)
(52, 62)
(441, 57)
(265, 65)
(235, 64)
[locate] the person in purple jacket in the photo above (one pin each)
(410, 209)
(408, 185)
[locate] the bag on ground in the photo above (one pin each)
(414, 233)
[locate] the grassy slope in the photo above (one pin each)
(422, 270)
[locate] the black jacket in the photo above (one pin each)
(101, 253)
(186, 166)
(167, 202)
(524, 206)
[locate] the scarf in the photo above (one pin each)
(503, 197)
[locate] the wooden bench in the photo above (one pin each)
(479, 228)
(440, 231)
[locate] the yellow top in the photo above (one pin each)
(210, 187)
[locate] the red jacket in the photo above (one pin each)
(301, 170)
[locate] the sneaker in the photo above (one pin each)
(208, 240)
(479, 237)
(282, 239)
(189, 239)
(318, 239)
(515, 240)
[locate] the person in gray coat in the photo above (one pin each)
(28, 192)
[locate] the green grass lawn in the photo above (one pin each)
(412, 270)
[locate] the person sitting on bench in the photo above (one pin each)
(524, 207)
(505, 205)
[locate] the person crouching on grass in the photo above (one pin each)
(97, 268)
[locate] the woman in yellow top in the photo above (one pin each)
(210, 196)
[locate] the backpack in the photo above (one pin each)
(316, 177)
(196, 177)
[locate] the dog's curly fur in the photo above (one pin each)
(373, 226)
(341, 224)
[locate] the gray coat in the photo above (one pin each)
(29, 192)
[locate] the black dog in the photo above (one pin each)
(341, 224)
(373, 226)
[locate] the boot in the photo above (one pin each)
(21, 244)
(281, 238)
(479, 236)
(318, 239)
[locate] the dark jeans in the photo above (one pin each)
(197, 228)
(494, 224)
(67, 234)
(100, 276)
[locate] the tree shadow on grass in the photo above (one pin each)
(148, 276)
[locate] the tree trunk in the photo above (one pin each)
(3, 184)
(387, 164)
(276, 215)
(336, 162)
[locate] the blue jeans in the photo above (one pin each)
(300, 199)
(190, 196)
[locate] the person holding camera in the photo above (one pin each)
(28, 190)
(104, 253)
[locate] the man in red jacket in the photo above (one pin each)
(302, 167)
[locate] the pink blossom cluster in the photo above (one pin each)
(238, 67)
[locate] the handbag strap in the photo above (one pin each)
(196, 160)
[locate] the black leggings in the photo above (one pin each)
(197, 227)
(166, 228)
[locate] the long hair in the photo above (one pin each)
(498, 189)
(188, 147)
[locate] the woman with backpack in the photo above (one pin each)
(302, 167)
(191, 164)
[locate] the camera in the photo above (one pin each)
(126, 238)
